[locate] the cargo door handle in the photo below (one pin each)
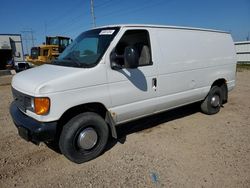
(154, 83)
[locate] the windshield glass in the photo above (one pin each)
(64, 42)
(54, 41)
(35, 52)
(87, 48)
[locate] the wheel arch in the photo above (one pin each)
(95, 107)
(222, 83)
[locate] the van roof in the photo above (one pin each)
(163, 26)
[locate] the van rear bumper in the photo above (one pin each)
(30, 129)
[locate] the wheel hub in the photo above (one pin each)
(215, 101)
(87, 138)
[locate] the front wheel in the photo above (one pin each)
(213, 101)
(84, 137)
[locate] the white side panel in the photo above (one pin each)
(191, 61)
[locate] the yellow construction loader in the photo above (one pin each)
(47, 52)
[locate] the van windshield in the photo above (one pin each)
(88, 48)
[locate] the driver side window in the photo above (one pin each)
(139, 39)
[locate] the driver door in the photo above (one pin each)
(133, 91)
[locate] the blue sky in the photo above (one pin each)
(70, 18)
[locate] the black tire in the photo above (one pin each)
(207, 106)
(70, 134)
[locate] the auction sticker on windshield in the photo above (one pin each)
(106, 32)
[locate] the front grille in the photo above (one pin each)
(22, 100)
(34, 56)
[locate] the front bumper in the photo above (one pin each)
(31, 129)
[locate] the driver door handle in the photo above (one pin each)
(154, 83)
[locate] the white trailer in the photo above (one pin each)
(11, 52)
(243, 51)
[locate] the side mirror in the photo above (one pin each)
(131, 57)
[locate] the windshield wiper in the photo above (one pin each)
(74, 60)
(68, 62)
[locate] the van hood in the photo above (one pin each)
(52, 78)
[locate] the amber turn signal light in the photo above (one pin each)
(41, 105)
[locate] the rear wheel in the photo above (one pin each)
(84, 137)
(213, 101)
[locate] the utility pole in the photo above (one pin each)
(32, 37)
(93, 13)
(45, 28)
(26, 44)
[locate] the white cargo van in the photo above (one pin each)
(115, 74)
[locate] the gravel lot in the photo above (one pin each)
(179, 148)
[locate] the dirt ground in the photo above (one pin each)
(179, 148)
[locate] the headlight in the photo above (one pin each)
(40, 105)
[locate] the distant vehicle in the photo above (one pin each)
(49, 51)
(115, 74)
(11, 52)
